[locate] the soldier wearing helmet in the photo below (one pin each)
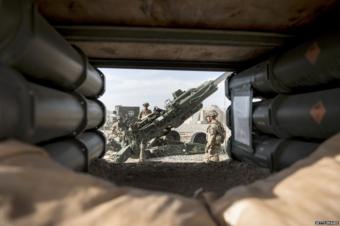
(145, 112)
(215, 137)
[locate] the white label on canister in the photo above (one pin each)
(241, 111)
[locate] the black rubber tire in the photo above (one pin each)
(199, 137)
(173, 136)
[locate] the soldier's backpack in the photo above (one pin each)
(221, 132)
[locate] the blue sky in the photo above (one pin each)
(132, 87)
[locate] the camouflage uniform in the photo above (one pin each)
(145, 112)
(216, 136)
(143, 143)
(117, 131)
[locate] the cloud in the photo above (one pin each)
(131, 87)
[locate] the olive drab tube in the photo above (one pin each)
(69, 153)
(273, 153)
(33, 47)
(54, 113)
(96, 114)
(312, 65)
(35, 113)
(309, 115)
(95, 142)
(77, 153)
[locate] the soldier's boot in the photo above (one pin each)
(214, 158)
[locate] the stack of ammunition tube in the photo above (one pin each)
(299, 106)
(48, 90)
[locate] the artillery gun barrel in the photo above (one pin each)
(221, 78)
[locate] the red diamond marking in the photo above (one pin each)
(313, 53)
(318, 112)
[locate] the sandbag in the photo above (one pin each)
(307, 193)
(34, 190)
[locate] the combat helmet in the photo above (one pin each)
(212, 113)
(146, 104)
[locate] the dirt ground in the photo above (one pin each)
(179, 174)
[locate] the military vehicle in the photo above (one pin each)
(120, 120)
(127, 115)
(169, 144)
(160, 123)
(124, 117)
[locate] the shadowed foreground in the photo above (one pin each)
(180, 178)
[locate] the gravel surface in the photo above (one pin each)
(178, 174)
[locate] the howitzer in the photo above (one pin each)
(159, 123)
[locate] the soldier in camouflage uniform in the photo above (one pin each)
(116, 138)
(145, 112)
(117, 131)
(215, 137)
